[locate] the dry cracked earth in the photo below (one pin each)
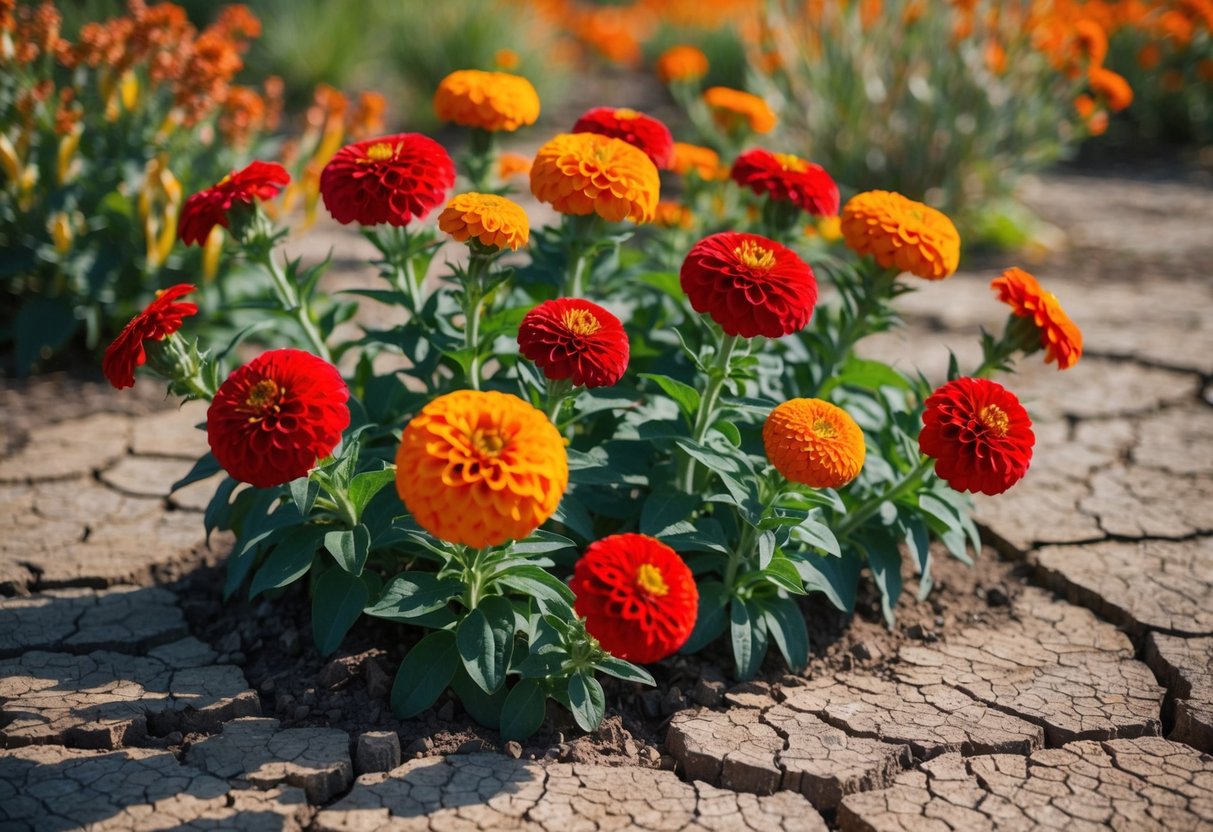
(1083, 701)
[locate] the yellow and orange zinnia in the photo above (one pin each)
(493, 101)
(1059, 336)
(693, 157)
(732, 108)
(481, 468)
(814, 443)
(588, 173)
(901, 233)
(493, 220)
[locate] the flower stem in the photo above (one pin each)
(904, 486)
(557, 392)
(293, 305)
(717, 377)
(473, 297)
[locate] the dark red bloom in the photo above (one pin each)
(638, 597)
(160, 319)
(750, 285)
(575, 339)
(637, 129)
(208, 208)
(393, 180)
(979, 434)
(788, 178)
(275, 416)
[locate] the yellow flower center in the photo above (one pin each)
(626, 114)
(380, 152)
(263, 396)
(825, 429)
(789, 162)
(995, 420)
(650, 580)
(580, 321)
(749, 253)
(487, 443)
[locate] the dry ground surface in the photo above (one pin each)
(1064, 682)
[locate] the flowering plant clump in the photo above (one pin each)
(594, 454)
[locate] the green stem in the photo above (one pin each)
(717, 377)
(737, 556)
(557, 392)
(473, 297)
(294, 306)
(574, 286)
(899, 489)
(473, 578)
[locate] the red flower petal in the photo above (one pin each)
(788, 179)
(392, 180)
(637, 129)
(208, 208)
(570, 338)
(161, 318)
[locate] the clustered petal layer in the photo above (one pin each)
(638, 597)
(1059, 336)
(481, 468)
(493, 101)
(208, 208)
(160, 319)
(814, 443)
(901, 233)
(392, 180)
(637, 129)
(787, 178)
(493, 220)
(587, 173)
(575, 339)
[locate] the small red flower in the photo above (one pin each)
(788, 178)
(638, 597)
(637, 129)
(750, 285)
(575, 339)
(979, 434)
(208, 208)
(275, 416)
(160, 319)
(393, 180)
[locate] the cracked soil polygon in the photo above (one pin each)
(1185, 665)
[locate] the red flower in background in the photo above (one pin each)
(788, 178)
(160, 319)
(208, 208)
(275, 416)
(979, 434)
(749, 284)
(638, 597)
(575, 339)
(393, 180)
(637, 129)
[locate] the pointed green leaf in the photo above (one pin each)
(290, 560)
(413, 594)
(749, 637)
(304, 492)
(485, 638)
(524, 710)
(785, 623)
(424, 674)
(587, 700)
(338, 601)
(349, 547)
(366, 485)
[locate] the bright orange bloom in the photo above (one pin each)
(1059, 336)
(493, 220)
(588, 173)
(731, 108)
(673, 215)
(814, 443)
(682, 63)
(493, 101)
(901, 233)
(692, 157)
(512, 164)
(481, 468)
(1091, 41)
(1112, 88)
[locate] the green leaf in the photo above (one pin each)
(413, 594)
(586, 700)
(918, 542)
(485, 638)
(785, 623)
(524, 710)
(424, 674)
(885, 562)
(541, 542)
(709, 458)
(483, 707)
(290, 560)
(539, 584)
(837, 578)
(205, 468)
(749, 635)
(685, 396)
(349, 547)
(816, 533)
(729, 431)
(304, 492)
(663, 509)
(781, 571)
(338, 601)
(625, 670)
(366, 485)
(711, 618)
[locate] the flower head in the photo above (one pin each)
(570, 338)
(392, 180)
(787, 178)
(901, 233)
(512, 164)
(638, 597)
(492, 101)
(734, 108)
(682, 63)
(750, 285)
(1060, 337)
(637, 129)
(587, 173)
(160, 319)
(495, 221)
(208, 208)
(814, 443)
(275, 416)
(481, 468)
(979, 435)
(1111, 88)
(673, 215)
(692, 157)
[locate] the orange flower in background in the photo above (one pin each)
(901, 233)
(162, 317)
(682, 63)
(637, 129)
(692, 157)
(1060, 337)
(733, 109)
(814, 443)
(1091, 41)
(1112, 88)
(242, 114)
(481, 468)
(208, 208)
(638, 597)
(493, 220)
(673, 215)
(1149, 57)
(506, 59)
(367, 118)
(512, 164)
(493, 101)
(587, 173)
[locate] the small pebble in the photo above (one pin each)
(996, 596)
(513, 749)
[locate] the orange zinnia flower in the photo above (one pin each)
(692, 157)
(1112, 88)
(481, 468)
(682, 63)
(495, 221)
(588, 173)
(901, 233)
(492, 101)
(731, 108)
(673, 215)
(1059, 336)
(814, 443)
(512, 164)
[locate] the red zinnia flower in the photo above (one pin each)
(979, 434)
(638, 597)
(575, 339)
(275, 416)
(159, 320)
(787, 178)
(208, 208)
(750, 285)
(391, 180)
(637, 129)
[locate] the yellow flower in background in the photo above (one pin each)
(901, 233)
(61, 232)
(493, 220)
(734, 108)
(588, 173)
(493, 101)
